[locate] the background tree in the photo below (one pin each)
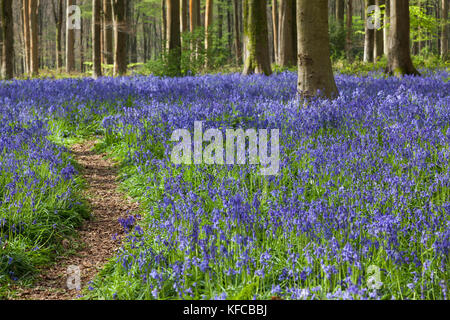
(444, 31)
(399, 59)
(26, 34)
(8, 39)
(96, 39)
(314, 63)
(173, 36)
(349, 31)
(120, 37)
(237, 33)
(70, 40)
(275, 29)
(256, 39)
(209, 10)
(378, 42)
(369, 34)
(288, 34)
(108, 28)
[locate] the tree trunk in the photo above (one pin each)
(108, 28)
(348, 38)
(387, 15)
(164, 25)
(34, 46)
(340, 13)
(275, 29)
(378, 49)
(120, 37)
(369, 35)
(8, 39)
(237, 36)
(96, 35)
(208, 29)
(315, 73)
(70, 41)
(173, 37)
(256, 38)
(399, 59)
(219, 21)
(184, 16)
(26, 34)
(444, 31)
(288, 34)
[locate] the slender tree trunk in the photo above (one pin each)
(195, 22)
(34, 46)
(164, 25)
(173, 36)
(369, 36)
(237, 36)
(70, 41)
(315, 73)
(96, 41)
(256, 38)
(108, 28)
(348, 38)
(387, 15)
(26, 34)
(8, 39)
(288, 34)
(82, 49)
(378, 49)
(399, 59)
(184, 16)
(219, 20)
(444, 31)
(208, 29)
(275, 29)
(340, 13)
(120, 37)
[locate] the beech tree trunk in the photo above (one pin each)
(34, 46)
(387, 15)
(399, 59)
(8, 39)
(96, 35)
(378, 48)
(108, 28)
(288, 34)
(256, 38)
(315, 74)
(340, 12)
(173, 37)
(369, 35)
(444, 31)
(208, 29)
(164, 25)
(275, 29)
(237, 37)
(194, 22)
(70, 41)
(184, 16)
(26, 34)
(120, 37)
(58, 12)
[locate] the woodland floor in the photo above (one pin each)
(96, 236)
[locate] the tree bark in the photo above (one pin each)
(108, 28)
(378, 48)
(173, 37)
(26, 34)
(275, 29)
(164, 25)
(340, 13)
(70, 42)
(399, 59)
(444, 31)
(34, 46)
(288, 34)
(369, 34)
(315, 74)
(256, 38)
(208, 29)
(348, 37)
(8, 39)
(96, 35)
(184, 16)
(387, 15)
(237, 36)
(120, 37)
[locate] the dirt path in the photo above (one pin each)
(96, 235)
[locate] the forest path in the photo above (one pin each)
(95, 236)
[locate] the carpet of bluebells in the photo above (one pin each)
(359, 210)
